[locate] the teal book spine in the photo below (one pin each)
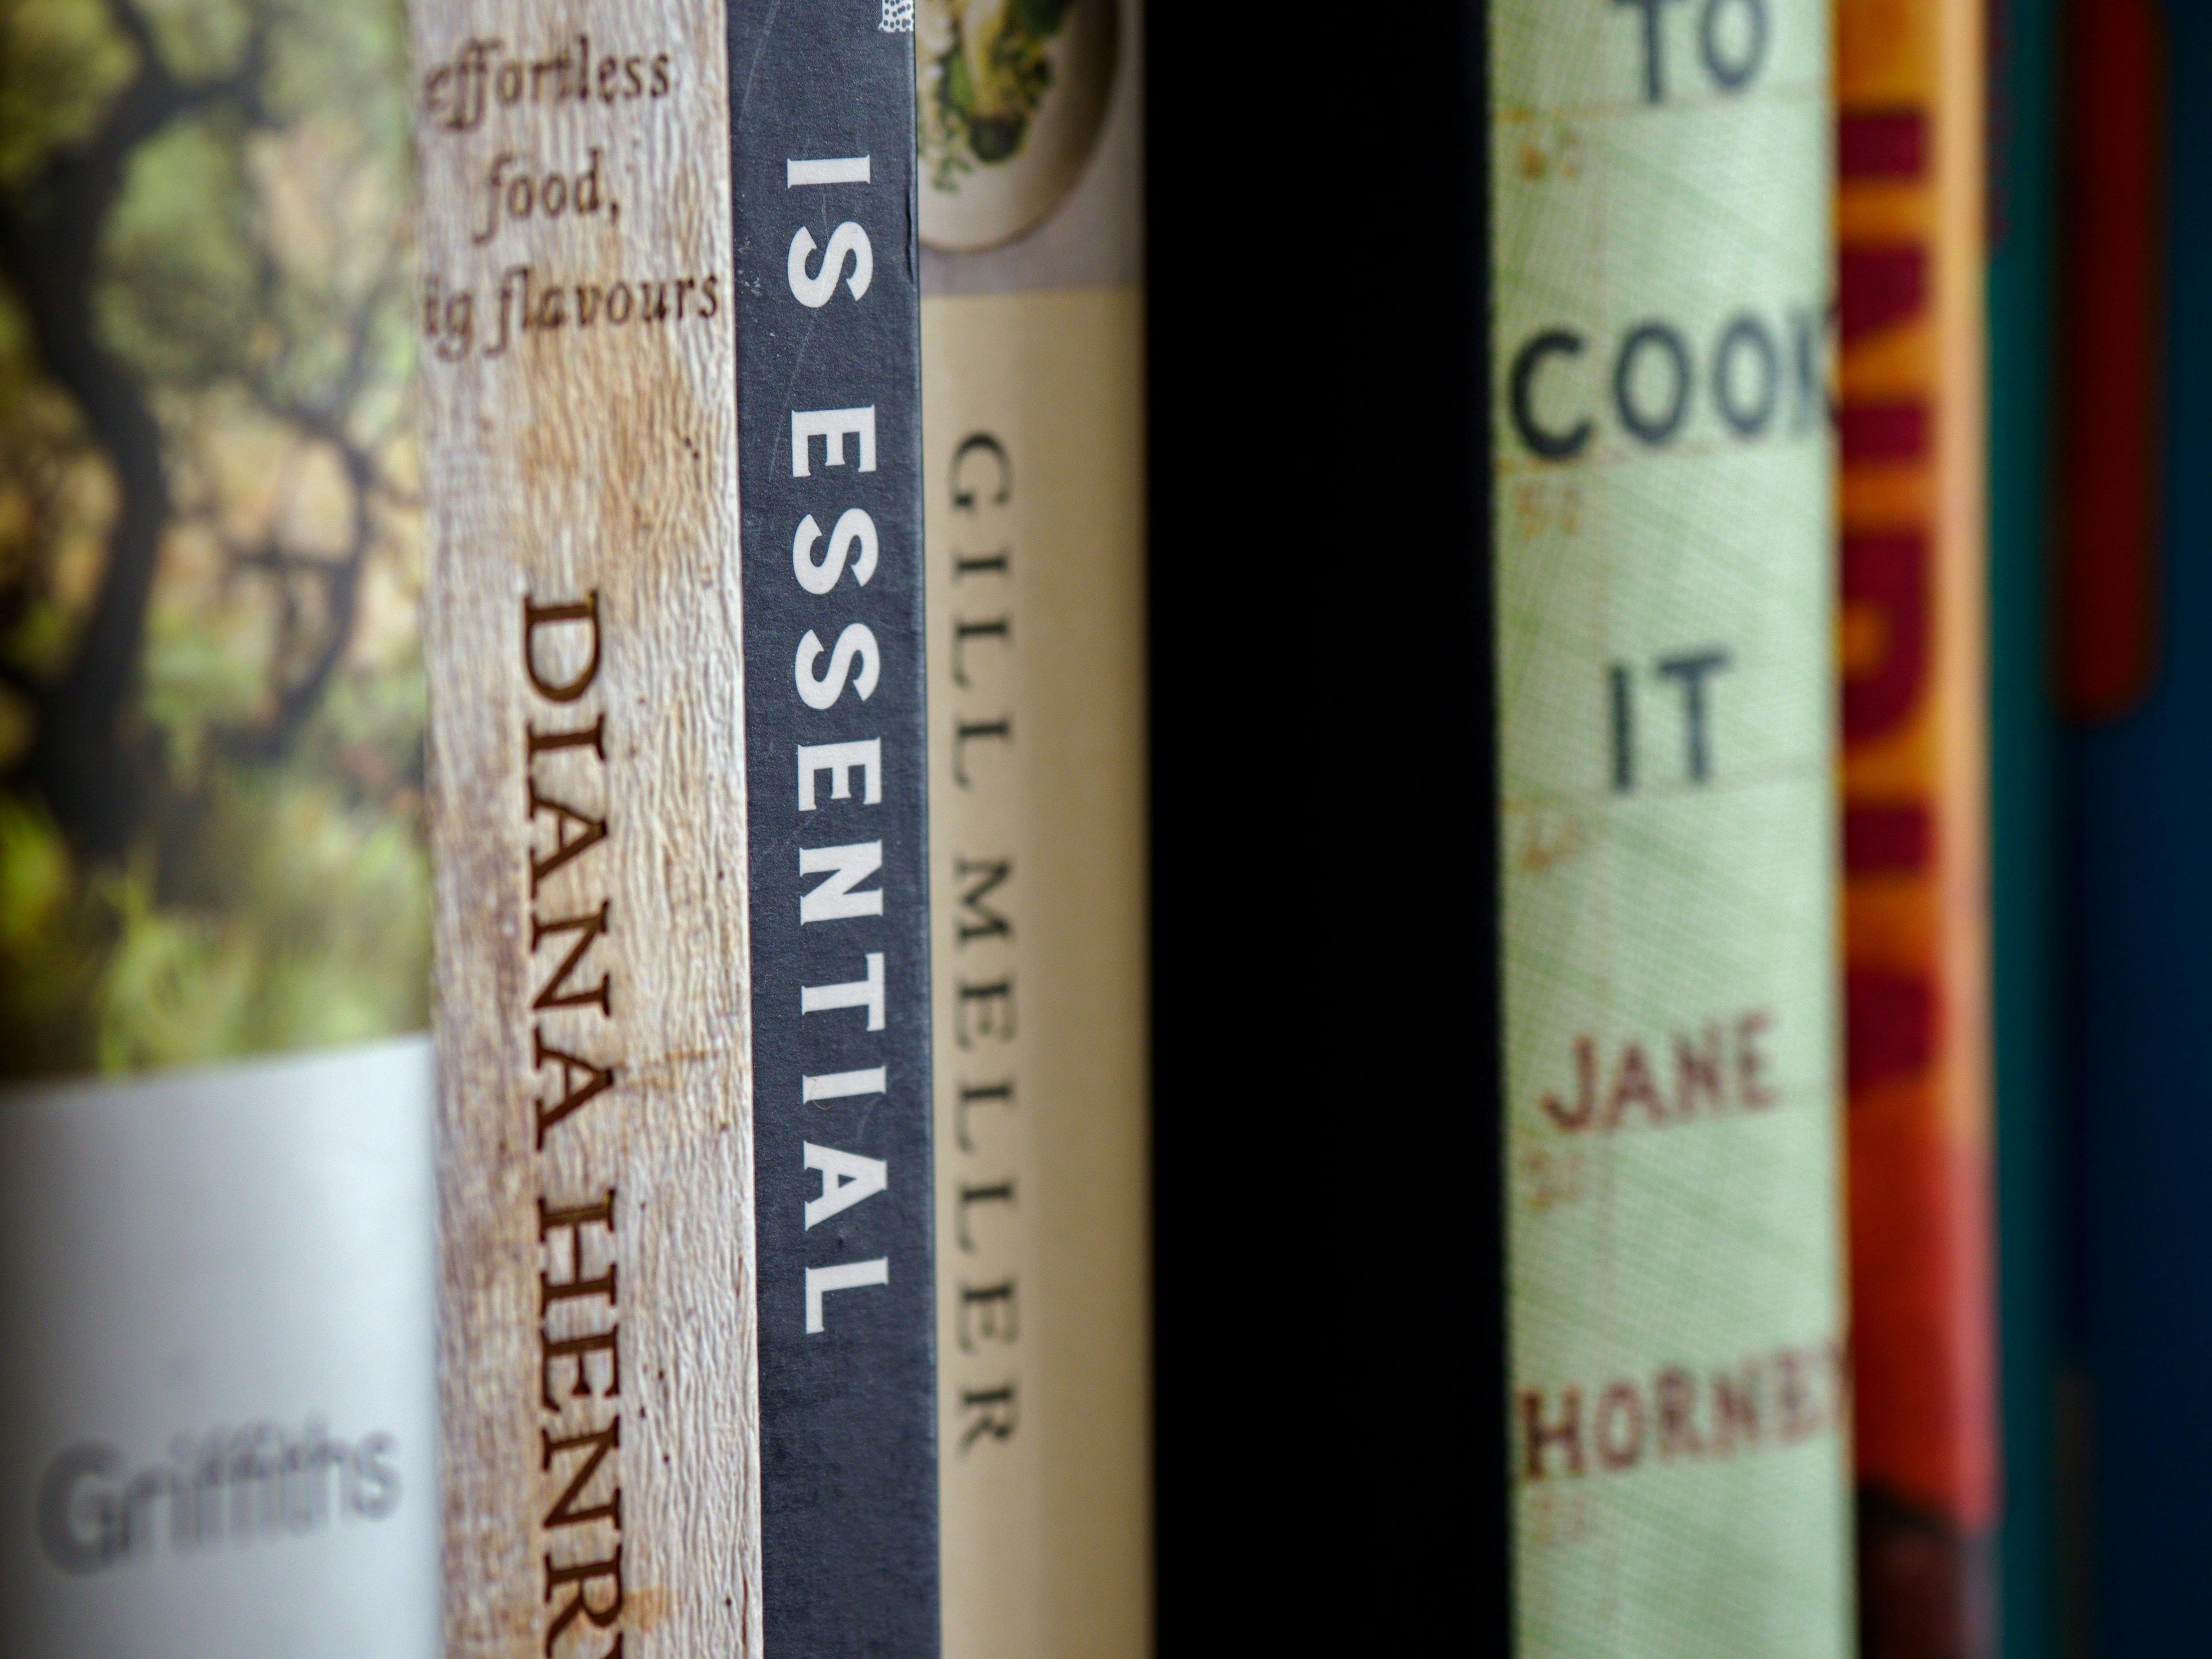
(2026, 762)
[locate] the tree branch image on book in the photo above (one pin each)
(670, 312)
(1032, 353)
(1679, 1405)
(1915, 827)
(217, 1430)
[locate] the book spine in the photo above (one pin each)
(1662, 565)
(218, 1419)
(830, 355)
(2109, 583)
(2027, 885)
(1915, 821)
(2133, 603)
(678, 801)
(1330, 1300)
(1032, 350)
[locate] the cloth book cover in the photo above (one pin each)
(1661, 561)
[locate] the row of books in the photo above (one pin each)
(1113, 752)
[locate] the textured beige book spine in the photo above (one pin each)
(601, 1472)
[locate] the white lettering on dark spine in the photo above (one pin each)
(832, 895)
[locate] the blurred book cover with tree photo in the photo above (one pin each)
(211, 695)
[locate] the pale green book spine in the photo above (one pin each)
(1661, 255)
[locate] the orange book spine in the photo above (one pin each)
(1910, 156)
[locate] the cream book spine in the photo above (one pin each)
(1034, 428)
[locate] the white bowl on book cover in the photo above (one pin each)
(1013, 95)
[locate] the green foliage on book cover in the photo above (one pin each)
(211, 700)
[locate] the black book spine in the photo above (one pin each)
(829, 417)
(1321, 607)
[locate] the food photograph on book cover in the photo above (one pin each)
(1013, 96)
